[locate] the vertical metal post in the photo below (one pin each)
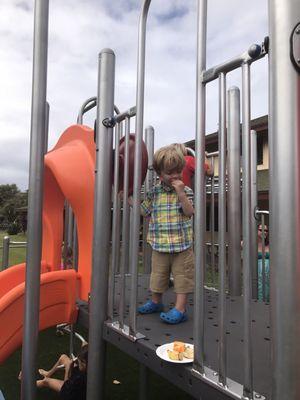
(115, 251)
(75, 245)
(70, 228)
(147, 251)
(66, 228)
(234, 193)
(5, 253)
(143, 382)
(253, 251)
(284, 128)
(35, 200)
(263, 258)
(47, 126)
(212, 224)
(102, 225)
(222, 228)
(136, 213)
(125, 226)
(200, 192)
(247, 285)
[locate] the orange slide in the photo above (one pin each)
(69, 175)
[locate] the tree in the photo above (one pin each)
(11, 199)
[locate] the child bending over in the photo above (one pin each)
(170, 208)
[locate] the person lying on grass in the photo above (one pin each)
(73, 386)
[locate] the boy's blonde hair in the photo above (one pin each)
(180, 147)
(168, 159)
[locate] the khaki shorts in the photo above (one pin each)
(180, 264)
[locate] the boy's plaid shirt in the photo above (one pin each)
(170, 231)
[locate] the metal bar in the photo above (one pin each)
(86, 106)
(75, 246)
(255, 52)
(138, 164)
(247, 285)
(263, 256)
(115, 251)
(212, 224)
(253, 251)
(5, 253)
(284, 128)
(125, 226)
(70, 228)
(143, 382)
(234, 193)
(212, 154)
(102, 224)
(35, 200)
(222, 229)
(200, 192)
(131, 112)
(66, 228)
(147, 251)
(47, 126)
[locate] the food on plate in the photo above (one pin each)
(179, 346)
(188, 352)
(178, 351)
(175, 355)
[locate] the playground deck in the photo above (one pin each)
(157, 333)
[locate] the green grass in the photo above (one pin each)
(119, 367)
(16, 256)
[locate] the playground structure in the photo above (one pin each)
(230, 329)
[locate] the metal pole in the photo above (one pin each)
(222, 229)
(35, 200)
(212, 224)
(102, 225)
(143, 382)
(284, 128)
(125, 226)
(115, 251)
(200, 192)
(66, 229)
(253, 251)
(234, 193)
(70, 228)
(263, 262)
(247, 285)
(75, 245)
(5, 253)
(147, 251)
(47, 126)
(138, 165)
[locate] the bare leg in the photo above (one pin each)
(63, 360)
(51, 383)
(181, 300)
(156, 297)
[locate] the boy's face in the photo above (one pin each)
(169, 177)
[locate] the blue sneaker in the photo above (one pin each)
(150, 307)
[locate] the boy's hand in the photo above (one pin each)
(178, 185)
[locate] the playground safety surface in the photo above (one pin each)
(157, 333)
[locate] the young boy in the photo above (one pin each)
(170, 208)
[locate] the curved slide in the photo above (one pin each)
(57, 303)
(69, 174)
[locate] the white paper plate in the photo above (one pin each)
(162, 353)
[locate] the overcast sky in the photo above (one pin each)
(79, 29)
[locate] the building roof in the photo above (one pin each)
(260, 125)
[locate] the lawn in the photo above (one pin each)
(16, 256)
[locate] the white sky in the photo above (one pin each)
(79, 29)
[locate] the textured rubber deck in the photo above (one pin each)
(157, 333)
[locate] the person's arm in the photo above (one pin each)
(143, 211)
(186, 205)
